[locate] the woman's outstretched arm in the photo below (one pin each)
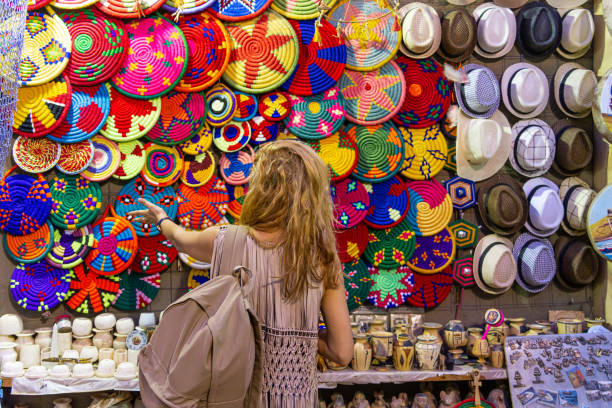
(337, 344)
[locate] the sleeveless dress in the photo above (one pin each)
(289, 329)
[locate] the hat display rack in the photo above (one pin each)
(182, 93)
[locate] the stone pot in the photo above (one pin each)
(382, 345)
(534, 329)
(25, 337)
(103, 338)
(432, 329)
(403, 353)
(376, 325)
(43, 337)
(517, 326)
(362, 353)
(427, 350)
(79, 342)
(119, 342)
(455, 334)
(596, 321)
(569, 326)
(481, 350)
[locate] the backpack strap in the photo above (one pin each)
(234, 243)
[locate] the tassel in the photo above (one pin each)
(396, 25)
(317, 35)
(180, 4)
(139, 9)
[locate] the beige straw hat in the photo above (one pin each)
(494, 265)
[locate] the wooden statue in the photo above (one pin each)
(359, 401)
(379, 400)
(449, 397)
(497, 398)
(337, 401)
(421, 400)
(427, 388)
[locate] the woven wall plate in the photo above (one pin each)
(431, 208)
(99, 46)
(465, 233)
(127, 201)
(129, 118)
(237, 194)
(246, 107)
(241, 10)
(70, 247)
(389, 203)
(274, 106)
(197, 277)
(381, 151)
(431, 290)
(203, 206)
(351, 242)
(114, 246)
(264, 53)
(339, 152)
(426, 152)
(90, 293)
(163, 164)
(368, 32)
(317, 116)
(182, 114)
(373, 97)
(462, 192)
(263, 130)
(136, 291)
(198, 171)
(155, 255)
(433, 253)
(35, 155)
(41, 109)
(156, 61)
(106, 160)
(36, 4)
(25, 203)
(132, 160)
(76, 201)
(357, 283)
(29, 248)
(209, 51)
(232, 137)
(199, 143)
(75, 157)
(235, 168)
(451, 159)
(129, 8)
(351, 202)
(300, 9)
(390, 287)
(192, 262)
(46, 48)
(221, 103)
(89, 109)
(428, 93)
(39, 287)
(463, 272)
(185, 8)
(390, 248)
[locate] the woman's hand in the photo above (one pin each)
(152, 215)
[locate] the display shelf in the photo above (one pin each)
(48, 386)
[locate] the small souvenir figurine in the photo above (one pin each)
(379, 400)
(359, 401)
(421, 401)
(337, 401)
(401, 401)
(427, 388)
(497, 398)
(518, 378)
(449, 397)
(537, 375)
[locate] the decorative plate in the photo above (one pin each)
(339, 152)
(433, 253)
(199, 143)
(76, 201)
(316, 117)
(390, 287)
(301, 9)
(90, 293)
(431, 207)
(39, 287)
(106, 160)
(192, 262)
(351, 242)
(132, 160)
(221, 103)
(237, 194)
(182, 114)
(155, 255)
(197, 277)
(163, 164)
(198, 171)
(29, 248)
(203, 206)
(235, 168)
(136, 291)
(351, 202)
(389, 202)
(431, 290)
(232, 137)
(426, 152)
(262, 130)
(186, 7)
(246, 107)
(75, 157)
(274, 106)
(35, 155)
(129, 8)
(228, 10)
(357, 283)
(390, 248)
(599, 223)
(70, 247)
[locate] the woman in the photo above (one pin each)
(291, 251)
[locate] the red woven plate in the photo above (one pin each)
(203, 206)
(352, 242)
(431, 290)
(155, 255)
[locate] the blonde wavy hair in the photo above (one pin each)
(289, 190)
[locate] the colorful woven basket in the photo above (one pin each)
(157, 58)
(192, 262)
(198, 171)
(373, 97)
(369, 31)
(127, 201)
(89, 109)
(129, 8)
(35, 155)
(29, 248)
(163, 164)
(99, 46)
(227, 10)
(76, 201)
(246, 107)
(46, 48)
(433, 253)
(389, 203)
(264, 53)
(75, 157)
(155, 255)
(381, 151)
(36, 4)
(428, 93)
(129, 118)
(232, 137)
(89, 292)
(136, 291)
(115, 244)
(41, 109)
(390, 287)
(203, 206)
(300, 9)
(209, 50)
(70, 247)
(339, 152)
(199, 143)
(25, 203)
(316, 117)
(431, 207)
(390, 248)
(351, 202)
(182, 114)
(39, 287)
(351, 242)
(197, 277)
(263, 130)
(426, 152)
(72, 4)
(132, 160)
(237, 194)
(431, 290)
(357, 283)
(106, 160)
(221, 103)
(235, 168)
(274, 106)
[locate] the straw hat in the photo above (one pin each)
(577, 262)
(539, 30)
(460, 2)
(574, 149)
(502, 204)
(574, 89)
(535, 260)
(545, 206)
(458, 35)
(566, 4)
(494, 265)
(478, 97)
(481, 154)
(533, 147)
(496, 30)
(576, 196)
(578, 29)
(524, 89)
(421, 30)
(513, 4)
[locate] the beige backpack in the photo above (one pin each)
(207, 349)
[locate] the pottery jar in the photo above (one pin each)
(495, 336)
(481, 350)
(63, 323)
(569, 326)
(517, 326)
(596, 321)
(64, 342)
(43, 337)
(455, 334)
(474, 333)
(105, 321)
(81, 327)
(547, 326)
(362, 353)
(105, 353)
(432, 329)
(45, 353)
(119, 342)
(332, 365)
(10, 324)
(427, 350)
(120, 356)
(103, 338)
(29, 355)
(497, 356)
(534, 329)
(376, 325)
(89, 353)
(382, 345)
(355, 328)
(146, 319)
(403, 353)
(7, 353)
(132, 356)
(79, 342)
(25, 337)
(401, 329)
(125, 325)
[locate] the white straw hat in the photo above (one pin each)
(578, 31)
(421, 30)
(574, 89)
(566, 4)
(460, 2)
(533, 147)
(576, 196)
(524, 89)
(496, 30)
(494, 265)
(545, 207)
